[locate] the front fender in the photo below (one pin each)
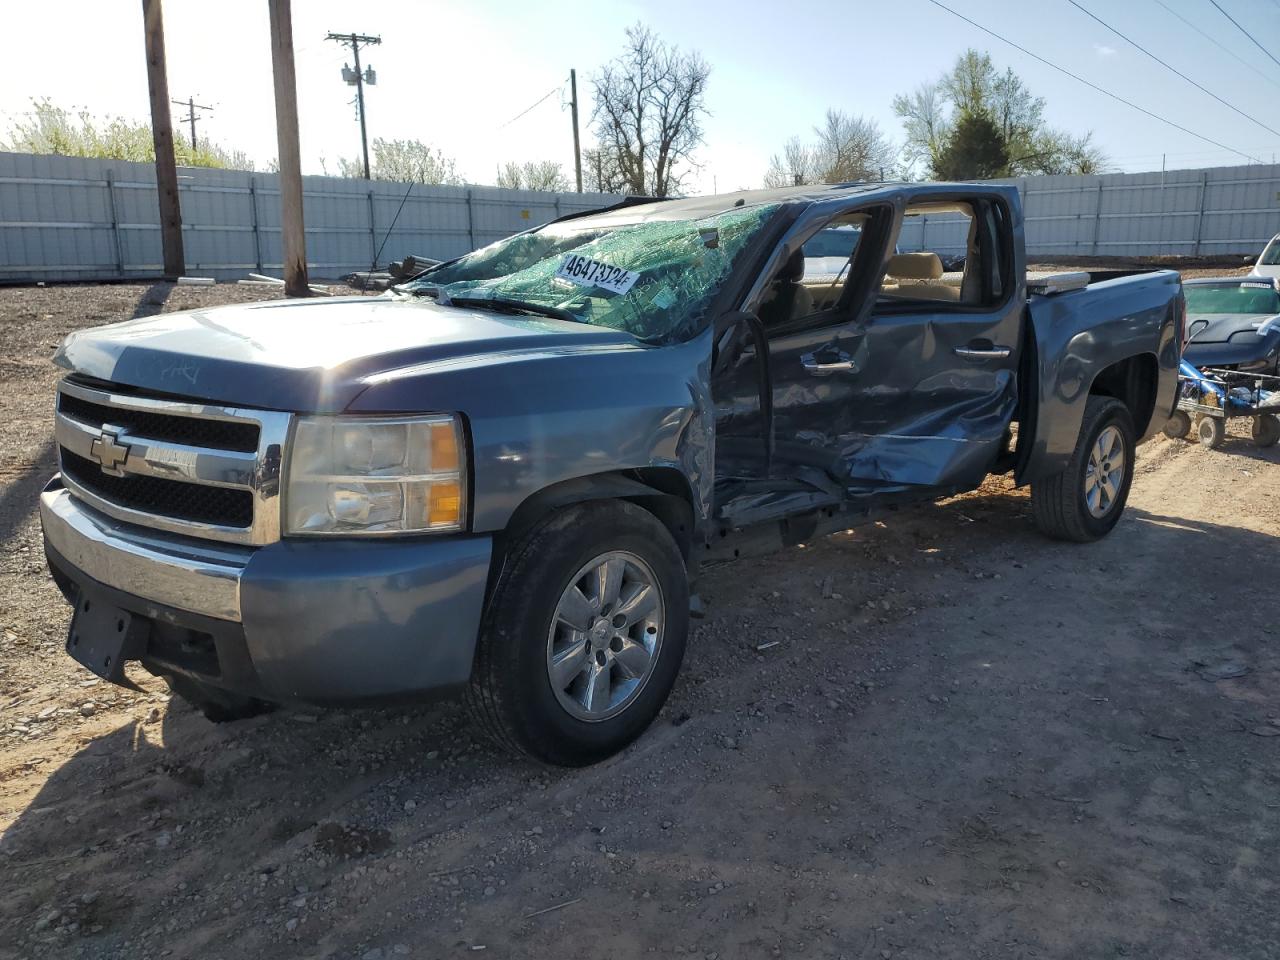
(1080, 334)
(535, 420)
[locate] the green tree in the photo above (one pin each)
(52, 129)
(404, 161)
(974, 150)
(974, 87)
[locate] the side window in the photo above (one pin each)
(947, 253)
(813, 279)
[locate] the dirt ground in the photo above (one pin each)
(940, 736)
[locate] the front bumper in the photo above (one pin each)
(317, 621)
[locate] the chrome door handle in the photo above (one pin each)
(819, 369)
(979, 353)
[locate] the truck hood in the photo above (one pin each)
(311, 355)
(1223, 327)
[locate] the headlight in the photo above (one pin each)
(349, 475)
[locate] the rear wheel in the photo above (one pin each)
(584, 634)
(1179, 426)
(1211, 431)
(1266, 430)
(1085, 500)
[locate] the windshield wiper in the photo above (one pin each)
(517, 306)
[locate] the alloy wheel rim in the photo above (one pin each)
(1104, 475)
(605, 636)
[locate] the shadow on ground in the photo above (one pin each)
(1070, 762)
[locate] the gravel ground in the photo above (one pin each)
(938, 736)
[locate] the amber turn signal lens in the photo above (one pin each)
(444, 448)
(444, 503)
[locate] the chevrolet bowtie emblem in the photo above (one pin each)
(109, 453)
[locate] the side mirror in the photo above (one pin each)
(1249, 259)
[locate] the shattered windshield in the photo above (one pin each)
(655, 280)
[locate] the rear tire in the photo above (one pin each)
(531, 628)
(1266, 430)
(1179, 426)
(1084, 502)
(217, 705)
(1211, 431)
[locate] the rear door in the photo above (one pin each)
(934, 387)
(902, 375)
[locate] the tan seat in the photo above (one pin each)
(914, 275)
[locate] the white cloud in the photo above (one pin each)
(1102, 50)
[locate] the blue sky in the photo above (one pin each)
(776, 68)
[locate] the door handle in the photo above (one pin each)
(983, 353)
(821, 368)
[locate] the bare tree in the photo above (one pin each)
(845, 148)
(925, 122)
(533, 175)
(649, 104)
(601, 172)
(796, 166)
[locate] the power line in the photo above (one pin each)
(536, 103)
(1221, 46)
(1251, 37)
(1167, 66)
(1087, 83)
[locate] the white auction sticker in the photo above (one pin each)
(586, 272)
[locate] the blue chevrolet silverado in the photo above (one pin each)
(501, 477)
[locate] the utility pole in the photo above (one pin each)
(573, 104)
(192, 107)
(293, 236)
(358, 79)
(162, 137)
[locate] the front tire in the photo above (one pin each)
(584, 634)
(1084, 502)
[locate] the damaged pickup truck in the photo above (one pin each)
(501, 476)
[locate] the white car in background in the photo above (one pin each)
(1268, 264)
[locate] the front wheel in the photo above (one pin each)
(1085, 501)
(584, 634)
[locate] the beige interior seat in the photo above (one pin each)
(916, 275)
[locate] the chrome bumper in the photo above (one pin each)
(173, 571)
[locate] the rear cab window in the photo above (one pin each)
(949, 254)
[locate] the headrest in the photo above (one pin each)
(793, 270)
(915, 266)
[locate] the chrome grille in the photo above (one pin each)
(180, 466)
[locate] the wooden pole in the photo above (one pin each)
(293, 235)
(577, 149)
(162, 136)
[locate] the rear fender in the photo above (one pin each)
(1080, 338)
